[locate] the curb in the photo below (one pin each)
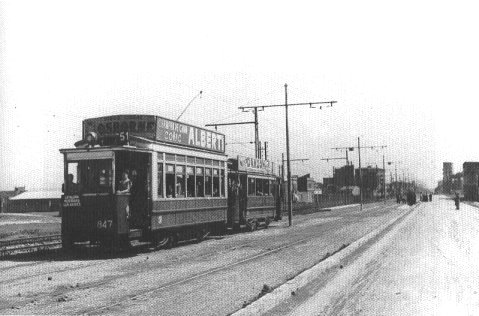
(283, 292)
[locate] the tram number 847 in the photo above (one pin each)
(104, 224)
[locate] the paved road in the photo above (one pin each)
(187, 280)
(430, 266)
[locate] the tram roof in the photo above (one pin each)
(156, 128)
(141, 144)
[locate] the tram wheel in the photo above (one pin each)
(201, 234)
(252, 225)
(267, 222)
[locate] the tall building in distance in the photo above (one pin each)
(471, 180)
(447, 177)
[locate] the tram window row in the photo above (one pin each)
(259, 186)
(190, 177)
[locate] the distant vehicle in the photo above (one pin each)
(182, 184)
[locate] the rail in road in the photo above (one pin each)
(29, 245)
(216, 270)
(297, 240)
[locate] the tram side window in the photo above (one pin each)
(170, 181)
(251, 186)
(259, 187)
(160, 179)
(222, 184)
(180, 181)
(208, 182)
(216, 182)
(200, 182)
(72, 184)
(190, 181)
(266, 187)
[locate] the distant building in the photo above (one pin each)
(471, 180)
(5, 198)
(446, 177)
(328, 185)
(36, 201)
(372, 181)
(344, 176)
(306, 183)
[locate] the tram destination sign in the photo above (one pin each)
(255, 165)
(156, 128)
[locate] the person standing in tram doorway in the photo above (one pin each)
(125, 183)
(124, 187)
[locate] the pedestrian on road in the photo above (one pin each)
(456, 200)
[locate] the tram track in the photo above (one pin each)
(29, 245)
(374, 209)
(146, 292)
(134, 251)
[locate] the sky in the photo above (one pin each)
(403, 74)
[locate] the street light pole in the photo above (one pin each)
(288, 162)
(360, 178)
(384, 179)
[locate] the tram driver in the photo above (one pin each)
(125, 183)
(72, 187)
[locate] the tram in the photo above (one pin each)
(179, 184)
(254, 193)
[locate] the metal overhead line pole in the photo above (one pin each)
(286, 105)
(256, 134)
(288, 163)
(360, 178)
(384, 180)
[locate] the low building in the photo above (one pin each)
(5, 198)
(36, 201)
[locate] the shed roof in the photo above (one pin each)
(38, 195)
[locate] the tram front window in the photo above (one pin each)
(89, 176)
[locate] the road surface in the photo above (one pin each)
(429, 266)
(215, 277)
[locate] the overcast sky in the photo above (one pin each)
(404, 73)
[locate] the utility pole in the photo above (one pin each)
(290, 200)
(286, 105)
(360, 178)
(257, 145)
(384, 180)
(265, 150)
(396, 174)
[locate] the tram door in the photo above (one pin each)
(243, 197)
(138, 166)
(237, 191)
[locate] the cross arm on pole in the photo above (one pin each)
(224, 124)
(329, 104)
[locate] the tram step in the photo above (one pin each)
(135, 233)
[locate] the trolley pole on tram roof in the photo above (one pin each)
(189, 103)
(286, 105)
